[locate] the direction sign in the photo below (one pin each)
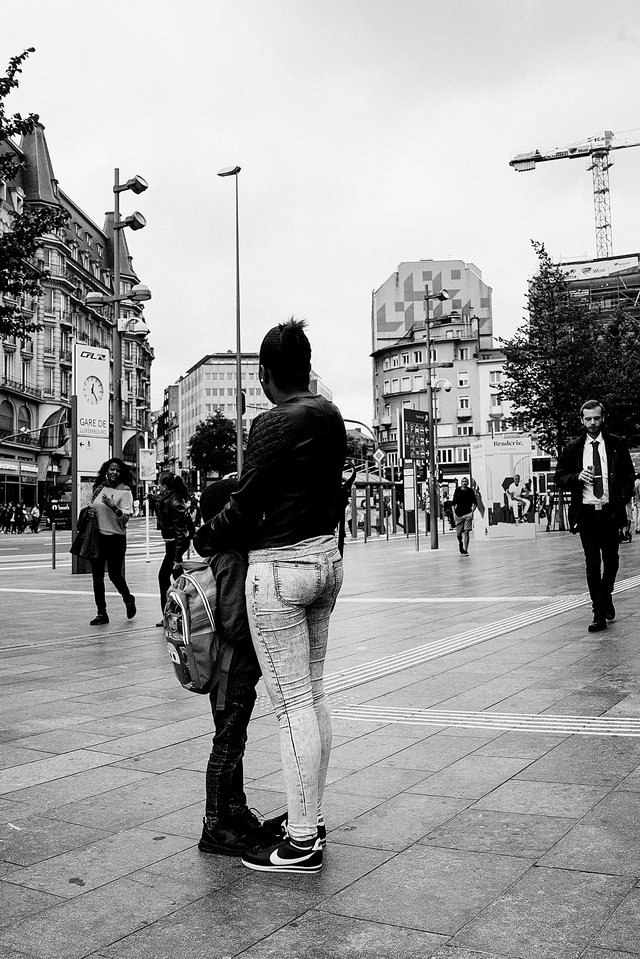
(147, 461)
(415, 434)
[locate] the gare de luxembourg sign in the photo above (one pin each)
(91, 389)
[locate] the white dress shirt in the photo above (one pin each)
(587, 461)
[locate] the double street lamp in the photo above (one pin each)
(234, 171)
(442, 295)
(137, 294)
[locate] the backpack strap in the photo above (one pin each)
(223, 679)
(344, 499)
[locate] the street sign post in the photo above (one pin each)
(147, 473)
(89, 429)
(413, 436)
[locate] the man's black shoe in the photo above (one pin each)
(599, 623)
(101, 620)
(225, 839)
(245, 820)
(130, 606)
(278, 828)
(609, 611)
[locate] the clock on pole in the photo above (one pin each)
(93, 389)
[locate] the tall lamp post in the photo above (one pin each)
(234, 171)
(136, 222)
(433, 486)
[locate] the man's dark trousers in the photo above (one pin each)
(598, 529)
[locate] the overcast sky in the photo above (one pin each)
(369, 132)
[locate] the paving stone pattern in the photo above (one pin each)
(445, 841)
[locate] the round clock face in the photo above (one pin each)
(93, 390)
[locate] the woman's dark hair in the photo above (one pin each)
(174, 483)
(286, 353)
(125, 473)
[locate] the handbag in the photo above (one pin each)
(86, 542)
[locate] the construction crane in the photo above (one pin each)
(596, 150)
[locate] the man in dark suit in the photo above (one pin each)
(597, 470)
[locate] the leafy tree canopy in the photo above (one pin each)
(565, 354)
(213, 445)
(359, 446)
(19, 279)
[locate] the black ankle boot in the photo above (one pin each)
(223, 837)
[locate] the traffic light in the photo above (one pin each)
(440, 475)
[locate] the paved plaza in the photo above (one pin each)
(484, 788)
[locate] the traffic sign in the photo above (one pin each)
(379, 456)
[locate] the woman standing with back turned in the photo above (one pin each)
(286, 510)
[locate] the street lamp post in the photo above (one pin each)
(136, 222)
(433, 486)
(234, 171)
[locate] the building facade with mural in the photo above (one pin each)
(466, 369)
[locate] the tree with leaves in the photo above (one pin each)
(550, 367)
(618, 360)
(212, 447)
(19, 279)
(359, 447)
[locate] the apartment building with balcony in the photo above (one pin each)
(465, 367)
(36, 371)
(168, 430)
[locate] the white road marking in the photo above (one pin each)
(358, 675)
(449, 599)
(559, 725)
(69, 592)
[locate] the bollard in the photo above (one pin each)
(53, 544)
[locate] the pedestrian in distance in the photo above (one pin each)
(636, 502)
(286, 509)
(597, 470)
(35, 518)
(112, 505)
(174, 523)
(464, 504)
(447, 509)
(229, 826)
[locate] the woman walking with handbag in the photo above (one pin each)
(175, 525)
(112, 505)
(286, 511)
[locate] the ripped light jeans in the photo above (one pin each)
(291, 592)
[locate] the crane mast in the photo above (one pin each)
(596, 150)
